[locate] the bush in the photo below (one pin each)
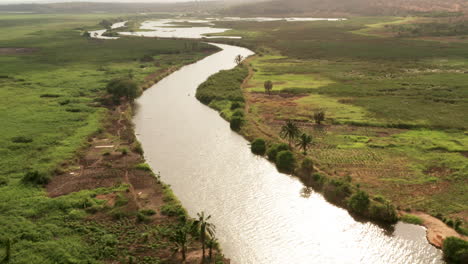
(3, 181)
(272, 152)
(238, 113)
(359, 202)
(285, 161)
(123, 88)
(383, 211)
(138, 148)
(411, 219)
(455, 250)
(236, 123)
(319, 117)
(307, 166)
(143, 167)
(22, 139)
(258, 147)
(36, 177)
(235, 105)
(337, 191)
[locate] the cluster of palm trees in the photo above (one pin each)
(291, 132)
(206, 230)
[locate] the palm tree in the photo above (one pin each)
(204, 227)
(7, 257)
(268, 86)
(211, 244)
(304, 142)
(181, 240)
(290, 131)
(239, 59)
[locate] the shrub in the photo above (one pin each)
(3, 181)
(148, 212)
(173, 209)
(455, 250)
(359, 202)
(258, 146)
(383, 211)
(307, 166)
(285, 161)
(272, 152)
(143, 167)
(411, 219)
(22, 139)
(121, 200)
(138, 148)
(142, 218)
(318, 180)
(337, 191)
(36, 177)
(236, 123)
(319, 117)
(122, 87)
(235, 105)
(147, 58)
(238, 113)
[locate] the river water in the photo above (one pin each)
(260, 214)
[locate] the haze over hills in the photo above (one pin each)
(348, 7)
(116, 6)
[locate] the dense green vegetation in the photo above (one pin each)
(412, 219)
(455, 250)
(50, 104)
(258, 146)
(221, 92)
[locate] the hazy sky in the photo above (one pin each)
(52, 1)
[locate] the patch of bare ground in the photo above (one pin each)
(110, 160)
(437, 230)
(12, 51)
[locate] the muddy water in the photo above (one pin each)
(260, 214)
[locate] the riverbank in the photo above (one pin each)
(137, 210)
(221, 99)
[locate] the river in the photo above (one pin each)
(260, 214)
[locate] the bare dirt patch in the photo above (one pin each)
(437, 230)
(11, 51)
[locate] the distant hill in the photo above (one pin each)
(90, 7)
(347, 7)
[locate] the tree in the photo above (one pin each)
(258, 147)
(304, 142)
(285, 161)
(212, 242)
(106, 23)
(289, 131)
(7, 258)
(123, 87)
(359, 202)
(268, 86)
(239, 58)
(236, 123)
(319, 117)
(455, 250)
(205, 228)
(181, 240)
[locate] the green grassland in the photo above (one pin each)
(396, 107)
(49, 106)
